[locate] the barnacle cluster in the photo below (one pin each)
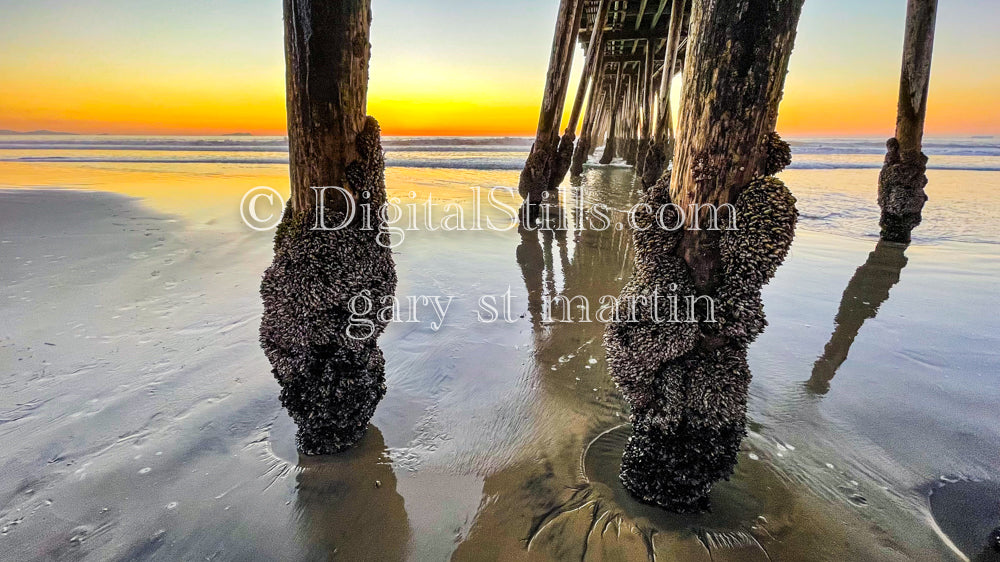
(641, 151)
(779, 154)
(654, 164)
(580, 154)
(564, 157)
(330, 381)
(679, 450)
(751, 254)
(901, 191)
(610, 150)
(538, 168)
(643, 328)
(686, 383)
(631, 151)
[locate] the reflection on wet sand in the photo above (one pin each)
(531, 258)
(865, 293)
(348, 506)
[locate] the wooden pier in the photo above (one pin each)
(623, 93)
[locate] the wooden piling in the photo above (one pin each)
(902, 180)
(647, 110)
(657, 158)
(616, 104)
(687, 383)
(536, 178)
(327, 87)
(330, 380)
(595, 101)
(588, 81)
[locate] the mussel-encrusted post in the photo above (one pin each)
(655, 161)
(902, 180)
(616, 105)
(536, 178)
(687, 381)
(588, 82)
(330, 381)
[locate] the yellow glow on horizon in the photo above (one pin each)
(419, 97)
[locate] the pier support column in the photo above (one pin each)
(902, 180)
(595, 101)
(330, 380)
(632, 121)
(616, 105)
(539, 169)
(647, 111)
(657, 156)
(588, 82)
(687, 381)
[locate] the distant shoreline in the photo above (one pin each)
(39, 132)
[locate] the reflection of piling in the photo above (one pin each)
(531, 258)
(330, 382)
(865, 293)
(348, 505)
(901, 182)
(687, 384)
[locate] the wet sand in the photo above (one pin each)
(139, 419)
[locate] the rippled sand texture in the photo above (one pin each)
(139, 418)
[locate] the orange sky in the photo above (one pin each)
(190, 73)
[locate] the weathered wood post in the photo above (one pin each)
(647, 110)
(536, 178)
(601, 118)
(567, 64)
(655, 161)
(331, 377)
(686, 378)
(902, 180)
(616, 105)
(632, 123)
(595, 99)
(588, 81)
(597, 132)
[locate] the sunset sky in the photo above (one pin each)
(465, 67)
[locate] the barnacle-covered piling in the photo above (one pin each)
(902, 180)
(547, 159)
(331, 378)
(331, 375)
(686, 380)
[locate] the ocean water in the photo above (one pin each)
(966, 212)
(139, 419)
(502, 153)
